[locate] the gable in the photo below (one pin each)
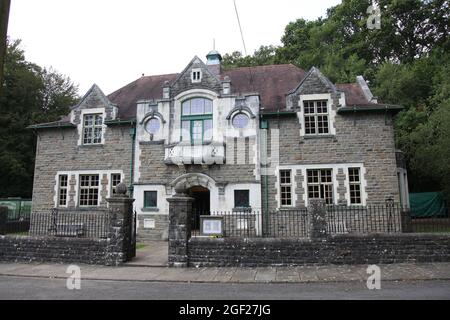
(94, 98)
(314, 83)
(184, 80)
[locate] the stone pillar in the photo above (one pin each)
(120, 248)
(3, 219)
(317, 219)
(180, 211)
(406, 220)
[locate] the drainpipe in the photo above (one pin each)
(133, 140)
(264, 149)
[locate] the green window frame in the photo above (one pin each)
(196, 120)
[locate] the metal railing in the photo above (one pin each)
(383, 218)
(91, 224)
(246, 223)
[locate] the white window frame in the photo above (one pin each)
(80, 127)
(353, 183)
(284, 185)
(316, 115)
(320, 183)
(301, 170)
(76, 176)
(330, 109)
(196, 75)
(92, 136)
(111, 182)
(63, 188)
(89, 187)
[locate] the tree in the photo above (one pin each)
(4, 17)
(31, 95)
(265, 55)
(406, 61)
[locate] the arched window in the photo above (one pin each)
(196, 120)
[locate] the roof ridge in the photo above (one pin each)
(266, 65)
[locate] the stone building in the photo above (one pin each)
(267, 138)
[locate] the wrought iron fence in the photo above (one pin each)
(246, 223)
(92, 224)
(366, 219)
(371, 219)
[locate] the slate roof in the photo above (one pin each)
(271, 82)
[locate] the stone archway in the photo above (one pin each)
(197, 186)
(195, 180)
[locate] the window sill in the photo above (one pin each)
(154, 142)
(91, 145)
(287, 208)
(155, 209)
(242, 209)
(325, 136)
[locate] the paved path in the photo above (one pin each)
(154, 254)
(39, 288)
(302, 274)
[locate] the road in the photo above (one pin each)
(44, 288)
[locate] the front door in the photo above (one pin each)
(200, 205)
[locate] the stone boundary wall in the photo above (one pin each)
(337, 249)
(59, 250)
(117, 248)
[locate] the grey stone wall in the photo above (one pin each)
(363, 138)
(183, 83)
(57, 150)
(160, 232)
(339, 249)
(153, 170)
(59, 250)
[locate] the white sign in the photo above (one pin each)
(212, 226)
(149, 223)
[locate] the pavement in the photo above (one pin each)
(19, 288)
(298, 274)
(153, 254)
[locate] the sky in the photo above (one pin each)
(112, 43)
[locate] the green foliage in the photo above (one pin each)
(265, 55)
(407, 62)
(30, 94)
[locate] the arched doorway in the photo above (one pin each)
(200, 206)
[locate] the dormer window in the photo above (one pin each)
(316, 117)
(196, 75)
(92, 129)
